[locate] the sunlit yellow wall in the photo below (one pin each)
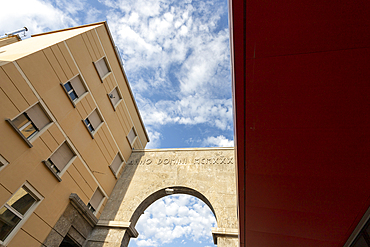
(37, 76)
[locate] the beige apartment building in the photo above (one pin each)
(68, 124)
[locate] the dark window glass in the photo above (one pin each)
(21, 201)
(92, 209)
(8, 221)
(73, 95)
(13, 211)
(68, 86)
(88, 124)
(52, 166)
(70, 90)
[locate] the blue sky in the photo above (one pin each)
(177, 60)
(177, 220)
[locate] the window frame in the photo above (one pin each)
(78, 99)
(49, 164)
(38, 132)
(120, 166)
(38, 199)
(108, 66)
(134, 140)
(92, 133)
(89, 206)
(119, 94)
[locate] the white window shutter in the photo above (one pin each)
(78, 86)
(131, 136)
(38, 116)
(102, 67)
(96, 199)
(95, 119)
(62, 156)
(116, 163)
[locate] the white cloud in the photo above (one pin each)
(219, 141)
(92, 15)
(175, 55)
(189, 110)
(38, 16)
(175, 217)
(155, 139)
(71, 7)
(148, 242)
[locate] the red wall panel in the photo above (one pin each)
(304, 119)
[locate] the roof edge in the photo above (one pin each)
(124, 75)
(69, 28)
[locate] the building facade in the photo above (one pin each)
(69, 123)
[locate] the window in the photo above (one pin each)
(116, 164)
(95, 201)
(93, 121)
(114, 97)
(25, 125)
(70, 91)
(132, 136)
(60, 158)
(3, 162)
(102, 68)
(75, 88)
(29, 123)
(18, 207)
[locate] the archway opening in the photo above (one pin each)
(176, 220)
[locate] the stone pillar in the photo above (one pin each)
(77, 222)
(225, 237)
(111, 234)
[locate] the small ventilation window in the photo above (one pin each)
(115, 97)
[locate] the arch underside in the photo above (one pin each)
(162, 193)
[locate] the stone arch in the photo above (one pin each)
(162, 193)
(206, 173)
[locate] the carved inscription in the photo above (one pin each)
(172, 161)
(184, 161)
(214, 160)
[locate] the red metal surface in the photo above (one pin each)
(302, 120)
(237, 42)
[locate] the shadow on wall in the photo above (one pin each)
(112, 207)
